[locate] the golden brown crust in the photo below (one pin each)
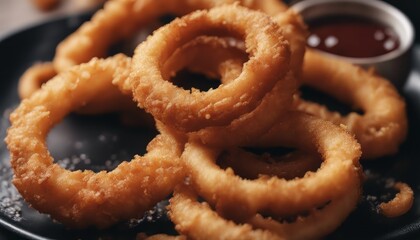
(400, 204)
(383, 125)
(189, 110)
(34, 77)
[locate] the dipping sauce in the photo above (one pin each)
(351, 37)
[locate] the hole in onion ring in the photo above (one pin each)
(296, 217)
(331, 103)
(281, 162)
(271, 151)
(187, 80)
(85, 134)
(127, 46)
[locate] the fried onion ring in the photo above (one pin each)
(109, 101)
(194, 110)
(383, 125)
(33, 78)
(317, 223)
(85, 198)
(339, 171)
(400, 204)
(192, 218)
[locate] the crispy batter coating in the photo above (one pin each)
(401, 203)
(33, 78)
(189, 110)
(382, 126)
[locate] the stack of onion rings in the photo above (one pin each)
(258, 60)
(94, 37)
(400, 204)
(39, 74)
(376, 125)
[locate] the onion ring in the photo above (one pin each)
(400, 204)
(339, 170)
(110, 101)
(85, 198)
(378, 124)
(294, 30)
(33, 78)
(382, 127)
(192, 111)
(79, 41)
(192, 219)
(317, 223)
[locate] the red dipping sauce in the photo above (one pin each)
(351, 37)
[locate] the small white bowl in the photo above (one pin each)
(395, 65)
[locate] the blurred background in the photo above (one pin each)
(16, 15)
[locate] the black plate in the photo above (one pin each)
(99, 142)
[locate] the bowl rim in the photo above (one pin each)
(406, 42)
